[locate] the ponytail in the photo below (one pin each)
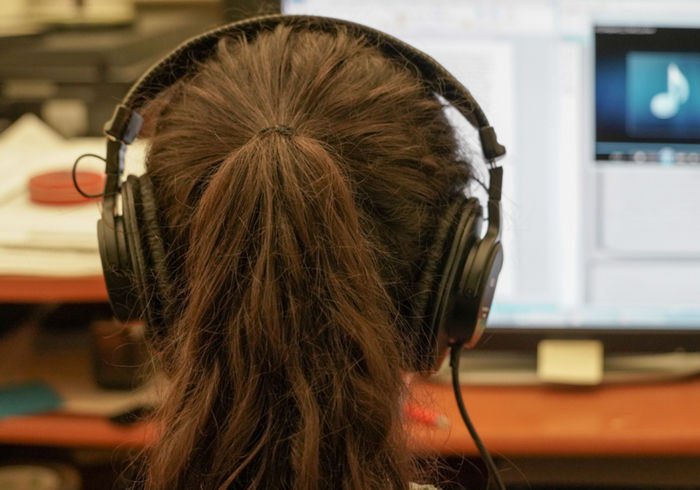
(293, 320)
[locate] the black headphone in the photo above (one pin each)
(455, 292)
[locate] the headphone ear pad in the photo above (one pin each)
(116, 266)
(427, 293)
(158, 272)
(131, 207)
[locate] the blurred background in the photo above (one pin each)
(69, 60)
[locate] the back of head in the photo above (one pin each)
(300, 178)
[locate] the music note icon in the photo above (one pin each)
(665, 105)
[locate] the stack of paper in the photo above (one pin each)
(43, 240)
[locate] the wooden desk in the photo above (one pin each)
(648, 420)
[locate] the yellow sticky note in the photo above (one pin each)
(577, 362)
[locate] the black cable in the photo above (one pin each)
(75, 180)
(455, 353)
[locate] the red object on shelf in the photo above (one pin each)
(418, 414)
(57, 188)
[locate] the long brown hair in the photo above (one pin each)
(299, 179)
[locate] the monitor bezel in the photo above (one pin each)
(614, 339)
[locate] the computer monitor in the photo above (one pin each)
(598, 104)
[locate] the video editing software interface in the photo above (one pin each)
(598, 104)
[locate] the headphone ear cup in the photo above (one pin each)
(125, 259)
(438, 277)
(474, 294)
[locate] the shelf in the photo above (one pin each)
(32, 289)
(616, 421)
(74, 431)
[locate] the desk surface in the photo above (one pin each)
(630, 420)
(648, 420)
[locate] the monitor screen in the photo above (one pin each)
(598, 104)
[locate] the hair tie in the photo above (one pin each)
(282, 129)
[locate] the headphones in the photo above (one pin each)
(458, 282)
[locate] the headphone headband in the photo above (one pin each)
(185, 58)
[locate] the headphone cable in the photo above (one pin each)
(455, 354)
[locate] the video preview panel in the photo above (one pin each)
(647, 95)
